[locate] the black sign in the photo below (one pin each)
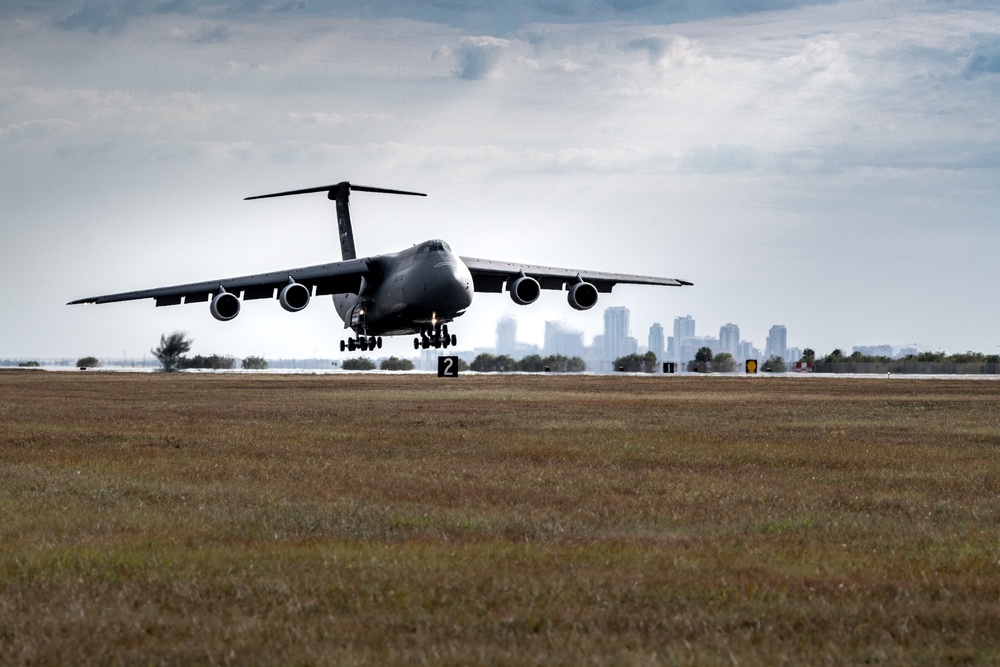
(447, 367)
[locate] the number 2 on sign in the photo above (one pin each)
(447, 367)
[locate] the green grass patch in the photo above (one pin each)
(503, 520)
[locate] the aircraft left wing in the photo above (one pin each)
(334, 278)
(490, 276)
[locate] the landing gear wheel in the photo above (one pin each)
(343, 346)
(416, 343)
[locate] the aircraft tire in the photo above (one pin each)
(454, 340)
(416, 343)
(379, 341)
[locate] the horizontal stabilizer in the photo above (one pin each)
(335, 188)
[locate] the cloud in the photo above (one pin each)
(478, 57)
(669, 50)
(97, 17)
(985, 59)
(211, 35)
(722, 159)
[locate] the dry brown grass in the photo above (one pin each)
(368, 519)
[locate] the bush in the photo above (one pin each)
(254, 363)
(358, 364)
(214, 362)
(88, 362)
(487, 363)
(396, 364)
(637, 363)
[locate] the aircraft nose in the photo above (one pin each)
(453, 286)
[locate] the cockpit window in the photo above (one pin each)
(435, 246)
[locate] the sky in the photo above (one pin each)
(833, 167)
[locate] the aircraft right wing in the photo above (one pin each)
(334, 278)
(490, 276)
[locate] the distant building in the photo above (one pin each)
(617, 341)
(562, 340)
(691, 346)
(777, 342)
(506, 335)
(729, 339)
(683, 331)
(874, 350)
(747, 351)
(656, 342)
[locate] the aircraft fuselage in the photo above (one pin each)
(407, 292)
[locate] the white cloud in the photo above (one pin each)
(479, 57)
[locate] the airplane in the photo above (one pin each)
(416, 291)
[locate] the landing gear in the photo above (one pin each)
(364, 343)
(435, 336)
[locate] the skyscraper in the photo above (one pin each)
(683, 331)
(616, 332)
(777, 342)
(729, 339)
(656, 341)
(561, 340)
(506, 335)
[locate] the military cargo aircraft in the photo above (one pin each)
(416, 291)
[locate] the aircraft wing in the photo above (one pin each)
(334, 278)
(490, 276)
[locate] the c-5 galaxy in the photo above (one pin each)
(416, 291)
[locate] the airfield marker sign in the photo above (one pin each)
(447, 367)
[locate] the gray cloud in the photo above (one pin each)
(97, 17)
(212, 35)
(985, 59)
(478, 57)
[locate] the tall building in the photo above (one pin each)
(656, 341)
(777, 342)
(683, 332)
(506, 335)
(617, 342)
(729, 339)
(561, 340)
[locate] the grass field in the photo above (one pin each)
(502, 520)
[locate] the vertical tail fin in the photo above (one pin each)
(341, 193)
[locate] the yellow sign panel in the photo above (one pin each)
(751, 365)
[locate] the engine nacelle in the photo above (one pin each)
(225, 306)
(582, 295)
(294, 297)
(525, 290)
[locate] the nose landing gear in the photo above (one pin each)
(435, 336)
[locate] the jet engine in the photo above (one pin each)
(225, 306)
(525, 290)
(294, 297)
(582, 295)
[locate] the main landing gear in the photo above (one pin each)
(364, 343)
(436, 336)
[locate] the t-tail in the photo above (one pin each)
(341, 193)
